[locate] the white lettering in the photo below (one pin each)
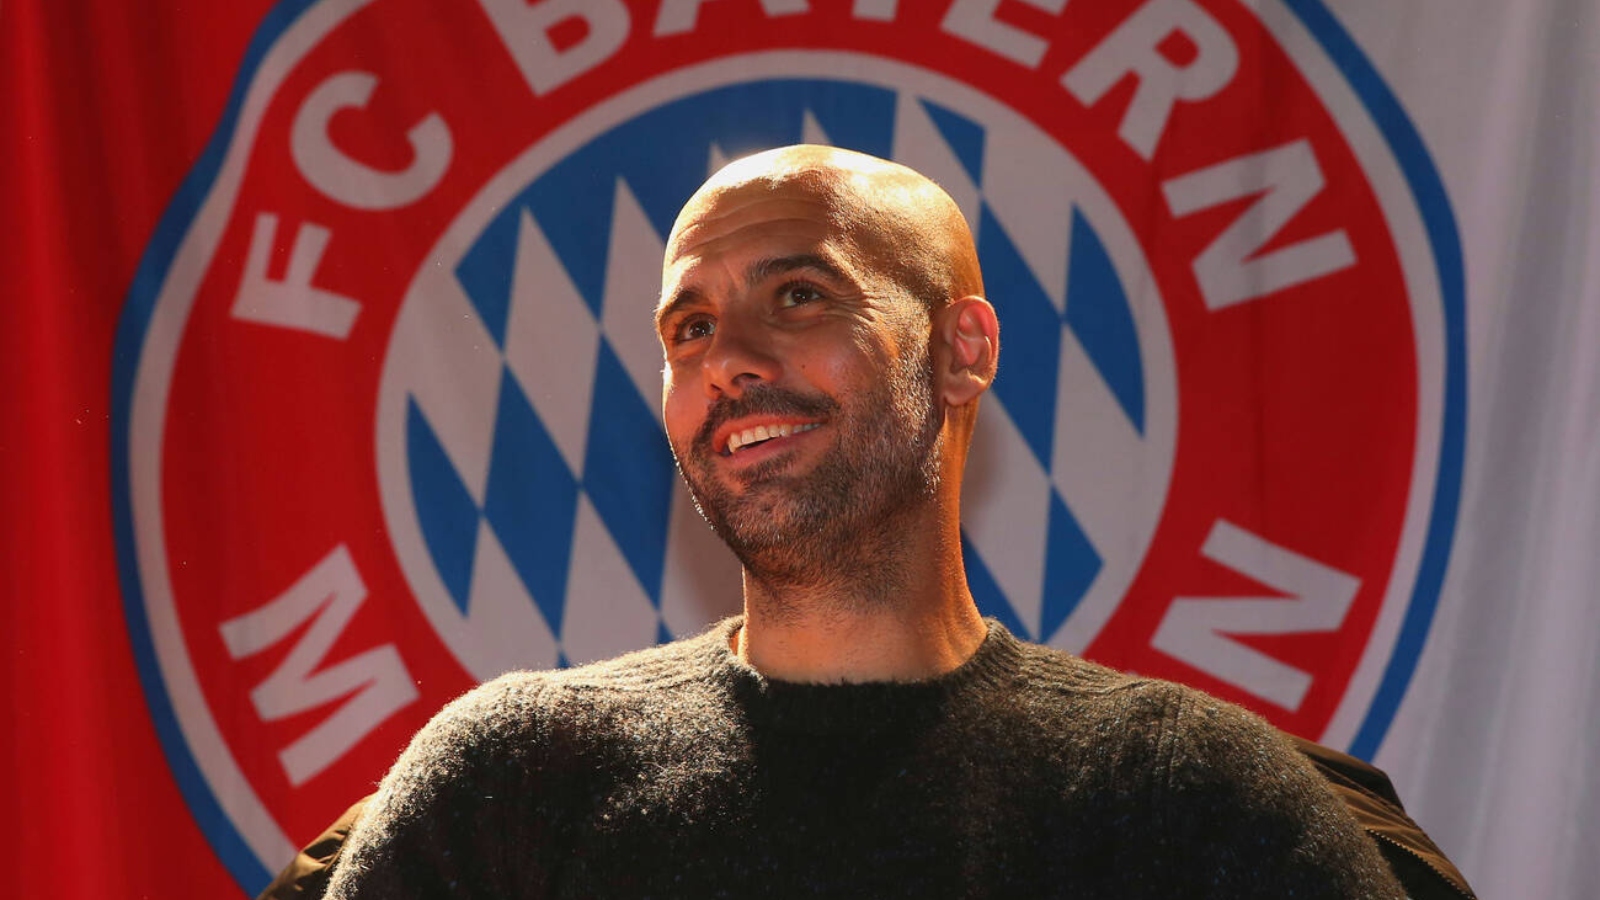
(876, 10)
(525, 27)
(1200, 631)
(331, 592)
(353, 183)
(1134, 49)
(1283, 180)
(292, 302)
(974, 21)
(678, 16)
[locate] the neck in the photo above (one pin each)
(910, 617)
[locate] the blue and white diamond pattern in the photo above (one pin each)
(554, 527)
(575, 484)
(1069, 470)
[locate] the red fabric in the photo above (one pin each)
(104, 106)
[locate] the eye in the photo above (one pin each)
(693, 328)
(798, 293)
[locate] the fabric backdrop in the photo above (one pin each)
(329, 382)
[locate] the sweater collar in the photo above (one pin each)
(865, 706)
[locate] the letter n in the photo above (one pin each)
(1281, 182)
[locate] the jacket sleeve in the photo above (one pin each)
(1422, 868)
(306, 876)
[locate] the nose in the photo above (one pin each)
(741, 353)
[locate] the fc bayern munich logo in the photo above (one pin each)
(388, 389)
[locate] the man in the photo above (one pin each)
(861, 730)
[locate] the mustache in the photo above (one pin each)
(761, 400)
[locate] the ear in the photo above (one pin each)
(967, 349)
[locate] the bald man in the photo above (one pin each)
(860, 731)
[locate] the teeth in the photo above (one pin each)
(764, 433)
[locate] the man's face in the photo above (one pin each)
(798, 394)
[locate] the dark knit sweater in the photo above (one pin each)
(681, 772)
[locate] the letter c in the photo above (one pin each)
(355, 184)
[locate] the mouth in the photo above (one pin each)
(744, 437)
(759, 425)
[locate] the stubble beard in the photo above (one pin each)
(840, 524)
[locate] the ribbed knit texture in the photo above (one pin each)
(681, 772)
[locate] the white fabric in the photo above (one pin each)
(1496, 747)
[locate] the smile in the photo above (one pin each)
(758, 434)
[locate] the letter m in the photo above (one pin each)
(375, 682)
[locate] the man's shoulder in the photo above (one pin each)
(1052, 669)
(512, 705)
(1197, 742)
(693, 658)
(1086, 684)
(551, 726)
(1181, 756)
(1183, 723)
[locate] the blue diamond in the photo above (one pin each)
(628, 471)
(533, 502)
(445, 509)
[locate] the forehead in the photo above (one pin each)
(728, 233)
(717, 221)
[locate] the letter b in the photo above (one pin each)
(525, 30)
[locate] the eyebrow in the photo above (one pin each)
(758, 272)
(763, 269)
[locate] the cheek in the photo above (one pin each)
(676, 420)
(848, 366)
(683, 412)
(674, 409)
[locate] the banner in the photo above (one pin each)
(332, 386)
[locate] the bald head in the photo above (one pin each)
(905, 224)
